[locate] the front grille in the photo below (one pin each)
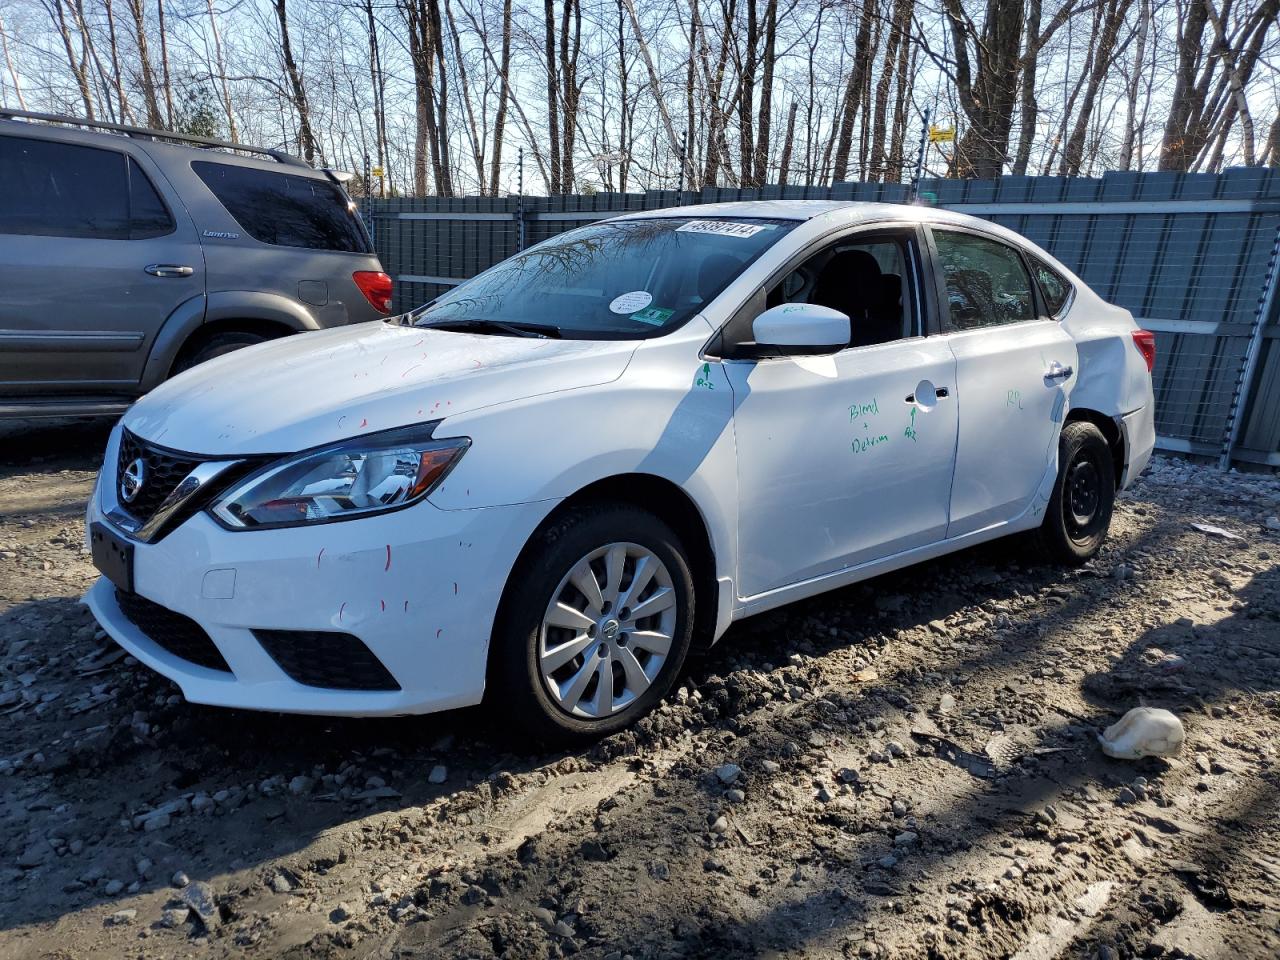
(179, 635)
(335, 661)
(162, 471)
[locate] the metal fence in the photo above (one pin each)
(1193, 256)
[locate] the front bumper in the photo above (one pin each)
(419, 588)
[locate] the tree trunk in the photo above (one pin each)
(8, 60)
(765, 118)
(145, 74)
(784, 166)
(164, 67)
(853, 91)
(1178, 149)
(1028, 109)
(306, 139)
(504, 94)
(1131, 89)
(1111, 15)
(233, 134)
(553, 96)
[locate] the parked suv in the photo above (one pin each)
(128, 255)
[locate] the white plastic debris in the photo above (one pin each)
(1143, 732)
(1216, 531)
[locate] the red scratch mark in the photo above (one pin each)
(477, 363)
(340, 609)
(406, 373)
(388, 566)
(384, 605)
(438, 632)
(419, 410)
(419, 343)
(364, 422)
(318, 556)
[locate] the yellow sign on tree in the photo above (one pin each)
(942, 134)
(376, 171)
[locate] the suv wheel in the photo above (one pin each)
(595, 626)
(216, 346)
(1079, 512)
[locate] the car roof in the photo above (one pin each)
(850, 211)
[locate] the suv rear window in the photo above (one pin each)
(285, 210)
(54, 189)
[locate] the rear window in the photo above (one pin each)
(286, 210)
(53, 189)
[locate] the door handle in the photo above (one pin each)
(939, 392)
(169, 270)
(1057, 371)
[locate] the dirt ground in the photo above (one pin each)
(905, 768)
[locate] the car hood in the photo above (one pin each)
(302, 391)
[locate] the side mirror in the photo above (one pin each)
(802, 328)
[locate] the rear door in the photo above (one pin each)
(93, 259)
(1014, 372)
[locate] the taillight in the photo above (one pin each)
(376, 287)
(1145, 341)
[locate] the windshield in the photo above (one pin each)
(625, 279)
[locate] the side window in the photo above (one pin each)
(284, 209)
(987, 285)
(1056, 289)
(148, 216)
(53, 189)
(865, 278)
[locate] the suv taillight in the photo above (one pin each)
(376, 287)
(1145, 341)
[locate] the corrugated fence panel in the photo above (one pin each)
(1188, 254)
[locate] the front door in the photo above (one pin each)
(92, 262)
(1014, 372)
(847, 458)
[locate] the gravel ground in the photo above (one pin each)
(905, 768)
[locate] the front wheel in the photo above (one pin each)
(1079, 512)
(595, 625)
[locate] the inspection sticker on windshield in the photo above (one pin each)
(631, 302)
(724, 228)
(654, 316)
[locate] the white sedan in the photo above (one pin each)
(543, 488)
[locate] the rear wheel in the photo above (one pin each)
(1079, 513)
(215, 346)
(595, 626)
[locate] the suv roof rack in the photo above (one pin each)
(278, 155)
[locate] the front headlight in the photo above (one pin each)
(370, 474)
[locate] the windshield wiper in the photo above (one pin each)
(476, 325)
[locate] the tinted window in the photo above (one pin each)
(61, 190)
(55, 189)
(148, 216)
(987, 285)
(1056, 289)
(285, 210)
(863, 278)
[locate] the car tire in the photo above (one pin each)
(1079, 512)
(216, 346)
(527, 646)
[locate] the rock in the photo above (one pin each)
(340, 914)
(735, 795)
(439, 774)
(34, 855)
(848, 775)
(113, 888)
(1143, 732)
(888, 861)
(895, 748)
(721, 825)
(120, 918)
(174, 917)
(156, 822)
(281, 884)
(905, 839)
(728, 773)
(179, 879)
(563, 929)
(198, 895)
(474, 895)
(946, 703)
(544, 916)
(770, 766)
(301, 785)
